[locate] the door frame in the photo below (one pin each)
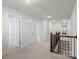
(19, 28)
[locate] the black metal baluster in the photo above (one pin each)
(58, 46)
(71, 46)
(68, 46)
(65, 46)
(74, 48)
(51, 42)
(61, 46)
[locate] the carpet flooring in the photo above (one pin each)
(35, 51)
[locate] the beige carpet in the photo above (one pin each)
(36, 51)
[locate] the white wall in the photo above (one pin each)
(57, 26)
(73, 28)
(38, 25)
(53, 27)
(24, 28)
(44, 30)
(29, 33)
(74, 21)
(5, 35)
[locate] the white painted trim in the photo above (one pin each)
(29, 44)
(5, 53)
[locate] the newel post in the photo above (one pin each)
(51, 42)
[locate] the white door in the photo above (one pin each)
(32, 30)
(14, 31)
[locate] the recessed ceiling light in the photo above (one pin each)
(49, 17)
(28, 2)
(64, 21)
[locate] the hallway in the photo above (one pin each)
(35, 51)
(27, 24)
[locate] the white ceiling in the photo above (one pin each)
(58, 9)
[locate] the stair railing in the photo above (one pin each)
(65, 45)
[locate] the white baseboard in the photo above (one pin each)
(29, 44)
(5, 53)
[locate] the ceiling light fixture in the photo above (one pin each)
(49, 17)
(28, 2)
(64, 21)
